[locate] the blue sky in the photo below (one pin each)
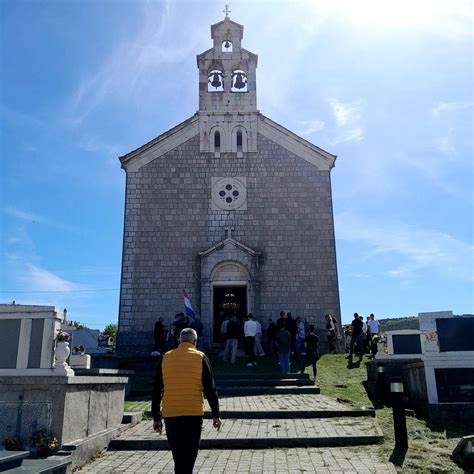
(385, 85)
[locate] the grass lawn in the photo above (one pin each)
(430, 445)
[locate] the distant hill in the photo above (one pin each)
(395, 324)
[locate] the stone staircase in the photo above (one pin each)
(266, 410)
(242, 384)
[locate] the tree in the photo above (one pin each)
(77, 325)
(110, 330)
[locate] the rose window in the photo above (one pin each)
(229, 193)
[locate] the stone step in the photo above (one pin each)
(11, 459)
(42, 466)
(286, 406)
(261, 390)
(226, 461)
(263, 382)
(270, 414)
(262, 434)
(231, 376)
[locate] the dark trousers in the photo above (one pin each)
(356, 341)
(184, 436)
(311, 357)
(250, 347)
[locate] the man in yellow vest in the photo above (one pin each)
(181, 378)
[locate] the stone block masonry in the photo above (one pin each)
(169, 220)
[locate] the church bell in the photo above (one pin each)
(216, 80)
(239, 81)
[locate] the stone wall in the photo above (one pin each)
(169, 219)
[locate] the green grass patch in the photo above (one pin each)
(430, 444)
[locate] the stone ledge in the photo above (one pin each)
(55, 380)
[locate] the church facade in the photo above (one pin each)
(230, 206)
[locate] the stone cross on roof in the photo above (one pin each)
(226, 11)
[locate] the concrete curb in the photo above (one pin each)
(250, 443)
(264, 382)
(278, 390)
(282, 414)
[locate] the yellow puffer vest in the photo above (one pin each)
(182, 379)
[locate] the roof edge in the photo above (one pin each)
(129, 156)
(328, 158)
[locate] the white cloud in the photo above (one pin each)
(93, 144)
(445, 145)
(23, 215)
(442, 108)
(39, 279)
(134, 66)
(350, 121)
(32, 218)
(347, 113)
(451, 19)
(311, 127)
(412, 248)
(352, 135)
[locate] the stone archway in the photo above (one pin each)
(230, 265)
(228, 280)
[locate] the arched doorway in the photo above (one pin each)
(229, 294)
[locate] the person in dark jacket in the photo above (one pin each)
(181, 378)
(232, 335)
(312, 351)
(271, 335)
(283, 344)
(356, 339)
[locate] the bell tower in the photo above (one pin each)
(227, 93)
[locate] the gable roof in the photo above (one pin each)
(186, 130)
(295, 144)
(160, 145)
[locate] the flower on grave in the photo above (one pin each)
(12, 444)
(80, 349)
(43, 442)
(63, 336)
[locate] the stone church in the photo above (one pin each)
(230, 206)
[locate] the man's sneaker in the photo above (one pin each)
(262, 355)
(254, 363)
(250, 364)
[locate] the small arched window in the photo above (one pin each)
(215, 81)
(239, 141)
(217, 141)
(227, 46)
(239, 81)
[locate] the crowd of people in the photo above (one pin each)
(361, 336)
(293, 340)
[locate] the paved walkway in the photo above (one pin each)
(243, 429)
(293, 461)
(279, 402)
(141, 450)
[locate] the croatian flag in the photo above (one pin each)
(188, 309)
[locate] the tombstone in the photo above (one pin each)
(39, 391)
(28, 340)
(403, 344)
(448, 357)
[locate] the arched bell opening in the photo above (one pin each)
(215, 81)
(227, 46)
(239, 81)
